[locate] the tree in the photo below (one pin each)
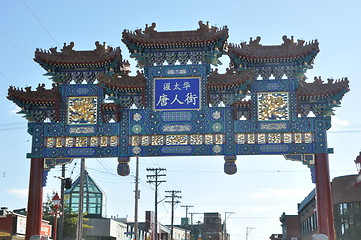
(70, 219)
(48, 208)
(348, 223)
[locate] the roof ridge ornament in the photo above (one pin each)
(102, 48)
(254, 43)
(318, 80)
(330, 81)
(205, 27)
(288, 41)
(150, 29)
(68, 48)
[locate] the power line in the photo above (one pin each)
(253, 171)
(11, 124)
(46, 30)
(11, 82)
(17, 47)
(12, 128)
(106, 169)
(14, 173)
(14, 144)
(345, 131)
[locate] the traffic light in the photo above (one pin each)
(68, 183)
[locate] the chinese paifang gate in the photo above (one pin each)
(176, 105)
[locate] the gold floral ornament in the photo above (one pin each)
(82, 110)
(272, 106)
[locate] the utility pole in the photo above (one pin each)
(173, 202)
(248, 229)
(154, 179)
(136, 196)
(79, 225)
(187, 207)
(192, 235)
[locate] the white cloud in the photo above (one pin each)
(19, 193)
(339, 123)
(14, 109)
(241, 194)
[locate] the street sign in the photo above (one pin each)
(177, 93)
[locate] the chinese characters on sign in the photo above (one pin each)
(177, 93)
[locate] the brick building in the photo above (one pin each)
(13, 226)
(347, 212)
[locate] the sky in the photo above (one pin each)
(264, 186)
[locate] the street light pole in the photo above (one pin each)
(192, 233)
(56, 203)
(224, 224)
(199, 230)
(186, 206)
(61, 219)
(248, 230)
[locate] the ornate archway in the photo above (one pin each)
(89, 111)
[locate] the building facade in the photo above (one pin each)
(13, 226)
(307, 214)
(180, 233)
(347, 207)
(347, 211)
(106, 229)
(94, 198)
(290, 227)
(212, 229)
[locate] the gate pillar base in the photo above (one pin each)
(35, 198)
(324, 196)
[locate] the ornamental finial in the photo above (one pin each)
(67, 48)
(150, 29)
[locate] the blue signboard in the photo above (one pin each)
(177, 93)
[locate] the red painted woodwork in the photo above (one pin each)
(324, 196)
(35, 198)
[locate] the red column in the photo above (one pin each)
(324, 196)
(35, 198)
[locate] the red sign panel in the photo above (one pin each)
(45, 230)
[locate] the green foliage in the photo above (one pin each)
(48, 208)
(350, 221)
(70, 219)
(70, 222)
